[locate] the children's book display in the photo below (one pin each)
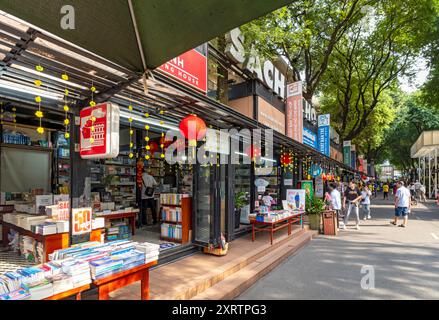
(75, 267)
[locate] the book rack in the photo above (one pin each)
(185, 223)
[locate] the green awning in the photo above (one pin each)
(167, 28)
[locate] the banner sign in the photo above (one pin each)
(296, 199)
(324, 136)
(347, 153)
(319, 186)
(294, 112)
(99, 139)
(63, 211)
(81, 221)
(353, 157)
(190, 68)
(309, 138)
(361, 163)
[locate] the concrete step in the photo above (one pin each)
(237, 283)
(205, 281)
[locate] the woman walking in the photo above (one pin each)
(365, 202)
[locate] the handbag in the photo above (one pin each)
(149, 191)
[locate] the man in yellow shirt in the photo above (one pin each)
(386, 191)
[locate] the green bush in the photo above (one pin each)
(314, 205)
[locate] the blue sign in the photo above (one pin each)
(309, 138)
(324, 136)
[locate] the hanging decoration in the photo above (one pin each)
(287, 160)
(162, 138)
(152, 147)
(92, 105)
(66, 108)
(192, 122)
(39, 114)
(147, 138)
(130, 120)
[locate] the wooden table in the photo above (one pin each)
(125, 215)
(73, 292)
(272, 227)
(125, 278)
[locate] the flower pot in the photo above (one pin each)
(314, 221)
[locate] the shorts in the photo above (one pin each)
(401, 211)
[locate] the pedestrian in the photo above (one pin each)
(353, 198)
(335, 201)
(148, 185)
(365, 202)
(395, 188)
(402, 204)
(385, 191)
(422, 192)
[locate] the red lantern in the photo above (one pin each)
(195, 124)
(153, 147)
(253, 151)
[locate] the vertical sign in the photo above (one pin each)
(99, 131)
(308, 185)
(319, 186)
(353, 157)
(63, 211)
(324, 138)
(294, 111)
(81, 221)
(347, 153)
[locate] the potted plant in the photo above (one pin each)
(240, 201)
(314, 208)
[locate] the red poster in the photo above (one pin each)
(81, 221)
(294, 112)
(190, 68)
(63, 210)
(99, 139)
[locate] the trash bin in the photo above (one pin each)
(330, 223)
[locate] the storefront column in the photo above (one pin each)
(80, 186)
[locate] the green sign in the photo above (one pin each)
(308, 185)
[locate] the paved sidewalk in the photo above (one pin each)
(405, 260)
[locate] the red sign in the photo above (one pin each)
(99, 139)
(63, 210)
(294, 112)
(81, 221)
(190, 68)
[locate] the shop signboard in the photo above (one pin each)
(294, 111)
(309, 138)
(347, 153)
(319, 186)
(296, 199)
(308, 185)
(99, 139)
(189, 68)
(324, 138)
(353, 157)
(81, 221)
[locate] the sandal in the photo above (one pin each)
(393, 222)
(402, 226)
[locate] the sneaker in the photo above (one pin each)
(364, 218)
(369, 217)
(357, 227)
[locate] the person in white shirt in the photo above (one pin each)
(335, 201)
(365, 203)
(402, 204)
(148, 185)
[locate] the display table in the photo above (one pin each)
(125, 278)
(131, 216)
(73, 292)
(272, 227)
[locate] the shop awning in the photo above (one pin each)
(166, 28)
(426, 144)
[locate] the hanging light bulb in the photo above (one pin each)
(66, 108)
(39, 113)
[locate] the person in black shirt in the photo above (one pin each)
(353, 198)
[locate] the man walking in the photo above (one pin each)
(335, 200)
(365, 202)
(352, 197)
(148, 185)
(402, 204)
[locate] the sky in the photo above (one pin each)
(411, 85)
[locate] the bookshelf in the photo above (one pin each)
(62, 164)
(176, 217)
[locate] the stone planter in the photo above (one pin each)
(314, 221)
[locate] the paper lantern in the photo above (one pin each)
(286, 159)
(195, 123)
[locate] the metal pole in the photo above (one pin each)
(429, 176)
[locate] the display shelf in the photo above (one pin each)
(186, 220)
(26, 147)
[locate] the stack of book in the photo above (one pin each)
(172, 198)
(150, 250)
(61, 283)
(79, 271)
(104, 267)
(45, 228)
(118, 231)
(39, 290)
(20, 294)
